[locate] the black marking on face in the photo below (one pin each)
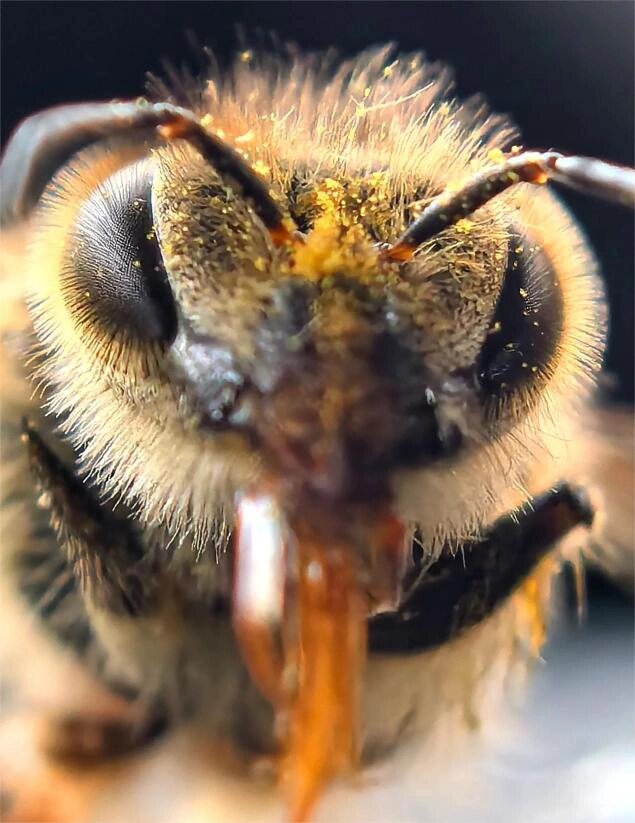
(113, 274)
(422, 436)
(527, 324)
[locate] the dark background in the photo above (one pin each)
(563, 70)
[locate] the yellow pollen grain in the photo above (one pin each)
(496, 156)
(389, 70)
(533, 614)
(326, 252)
(464, 226)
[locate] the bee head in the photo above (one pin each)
(297, 324)
(303, 350)
(339, 364)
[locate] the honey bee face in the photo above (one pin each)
(340, 372)
(331, 317)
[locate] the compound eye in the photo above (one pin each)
(112, 277)
(522, 343)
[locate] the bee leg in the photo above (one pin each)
(89, 739)
(455, 594)
(98, 561)
(103, 552)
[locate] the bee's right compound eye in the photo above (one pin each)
(112, 275)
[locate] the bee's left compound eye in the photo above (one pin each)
(522, 343)
(112, 275)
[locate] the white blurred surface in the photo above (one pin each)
(564, 753)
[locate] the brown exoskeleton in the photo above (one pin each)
(310, 361)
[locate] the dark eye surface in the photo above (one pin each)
(527, 325)
(113, 274)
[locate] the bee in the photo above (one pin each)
(298, 428)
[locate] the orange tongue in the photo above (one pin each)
(328, 658)
(312, 599)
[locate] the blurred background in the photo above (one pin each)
(564, 72)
